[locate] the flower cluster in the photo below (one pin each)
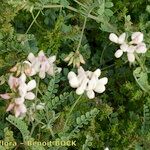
(40, 64)
(87, 81)
(136, 45)
(75, 58)
(20, 91)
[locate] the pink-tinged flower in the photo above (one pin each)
(28, 69)
(141, 48)
(137, 37)
(42, 65)
(13, 82)
(19, 109)
(24, 90)
(5, 96)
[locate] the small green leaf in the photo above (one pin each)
(64, 3)
(109, 12)
(148, 8)
(109, 4)
(101, 9)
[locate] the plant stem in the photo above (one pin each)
(83, 28)
(33, 21)
(140, 63)
(70, 8)
(73, 106)
(79, 3)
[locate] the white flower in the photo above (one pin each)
(131, 48)
(123, 48)
(87, 82)
(106, 148)
(119, 40)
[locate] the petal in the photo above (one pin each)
(31, 85)
(22, 89)
(19, 100)
(13, 82)
(92, 83)
(10, 107)
(141, 48)
(103, 81)
(89, 74)
(74, 83)
(121, 38)
(100, 88)
(118, 53)
(79, 91)
(71, 75)
(82, 87)
(90, 94)
(124, 47)
(23, 108)
(41, 54)
(42, 74)
(22, 77)
(97, 72)
(17, 112)
(36, 65)
(30, 96)
(51, 71)
(51, 59)
(131, 57)
(131, 49)
(31, 57)
(113, 37)
(137, 37)
(5, 96)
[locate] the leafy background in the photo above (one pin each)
(120, 117)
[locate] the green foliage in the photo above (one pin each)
(20, 125)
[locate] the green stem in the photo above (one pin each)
(70, 8)
(82, 32)
(140, 63)
(73, 106)
(83, 28)
(79, 3)
(33, 21)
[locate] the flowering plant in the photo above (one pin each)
(74, 74)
